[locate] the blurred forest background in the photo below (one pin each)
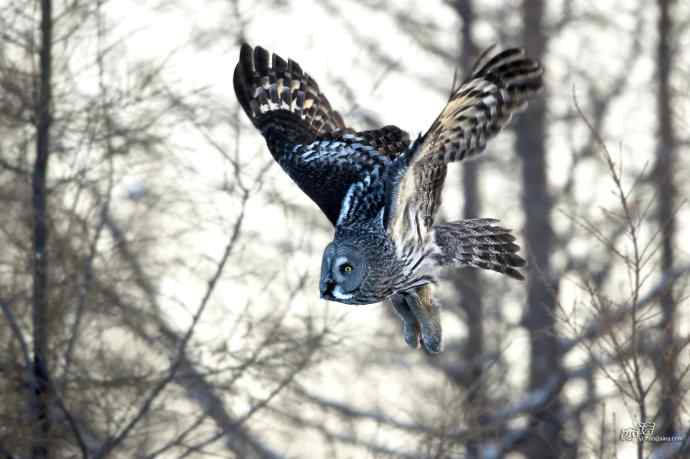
(158, 273)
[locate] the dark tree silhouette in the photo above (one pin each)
(41, 417)
(542, 281)
(468, 282)
(664, 181)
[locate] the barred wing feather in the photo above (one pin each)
(305, 135)
(477, 110)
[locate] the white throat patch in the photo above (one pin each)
(338, 294)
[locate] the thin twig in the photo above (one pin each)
(180, 353)
(601, 325)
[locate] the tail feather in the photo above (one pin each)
(280, 95)
(479, 243)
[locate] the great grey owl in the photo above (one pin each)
(382, 192)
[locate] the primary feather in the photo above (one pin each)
(304, 134)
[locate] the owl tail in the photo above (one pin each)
(279, 96)
(479, 243)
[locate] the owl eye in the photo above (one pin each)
(346, 268)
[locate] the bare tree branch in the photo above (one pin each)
(601, 325)
(344, 438)
(354, 413)
(177, 362)
(40, 396)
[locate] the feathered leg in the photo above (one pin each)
(409, 321)
(428, 314)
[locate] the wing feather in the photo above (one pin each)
(477, 110)
(478, 243)
(305, 135)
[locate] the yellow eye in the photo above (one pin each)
(347, 268)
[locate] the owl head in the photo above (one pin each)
(353, 268)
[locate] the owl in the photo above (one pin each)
(381, 191)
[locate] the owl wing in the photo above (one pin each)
(477, 110)
(304, 134)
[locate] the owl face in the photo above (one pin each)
(343, 269)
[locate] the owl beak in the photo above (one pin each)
(326, 286)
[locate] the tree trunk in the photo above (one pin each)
(544, 438)
(666, 192)
(40, 396)
(467, 282)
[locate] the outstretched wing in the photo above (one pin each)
(476, 111)
(304, 134)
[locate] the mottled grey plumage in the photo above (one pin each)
(381, 193)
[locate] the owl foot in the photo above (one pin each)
(421, 319)
(411, 334)
(432, 344)
(410, 325)
(428, 316)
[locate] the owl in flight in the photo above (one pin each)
(381, 191)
